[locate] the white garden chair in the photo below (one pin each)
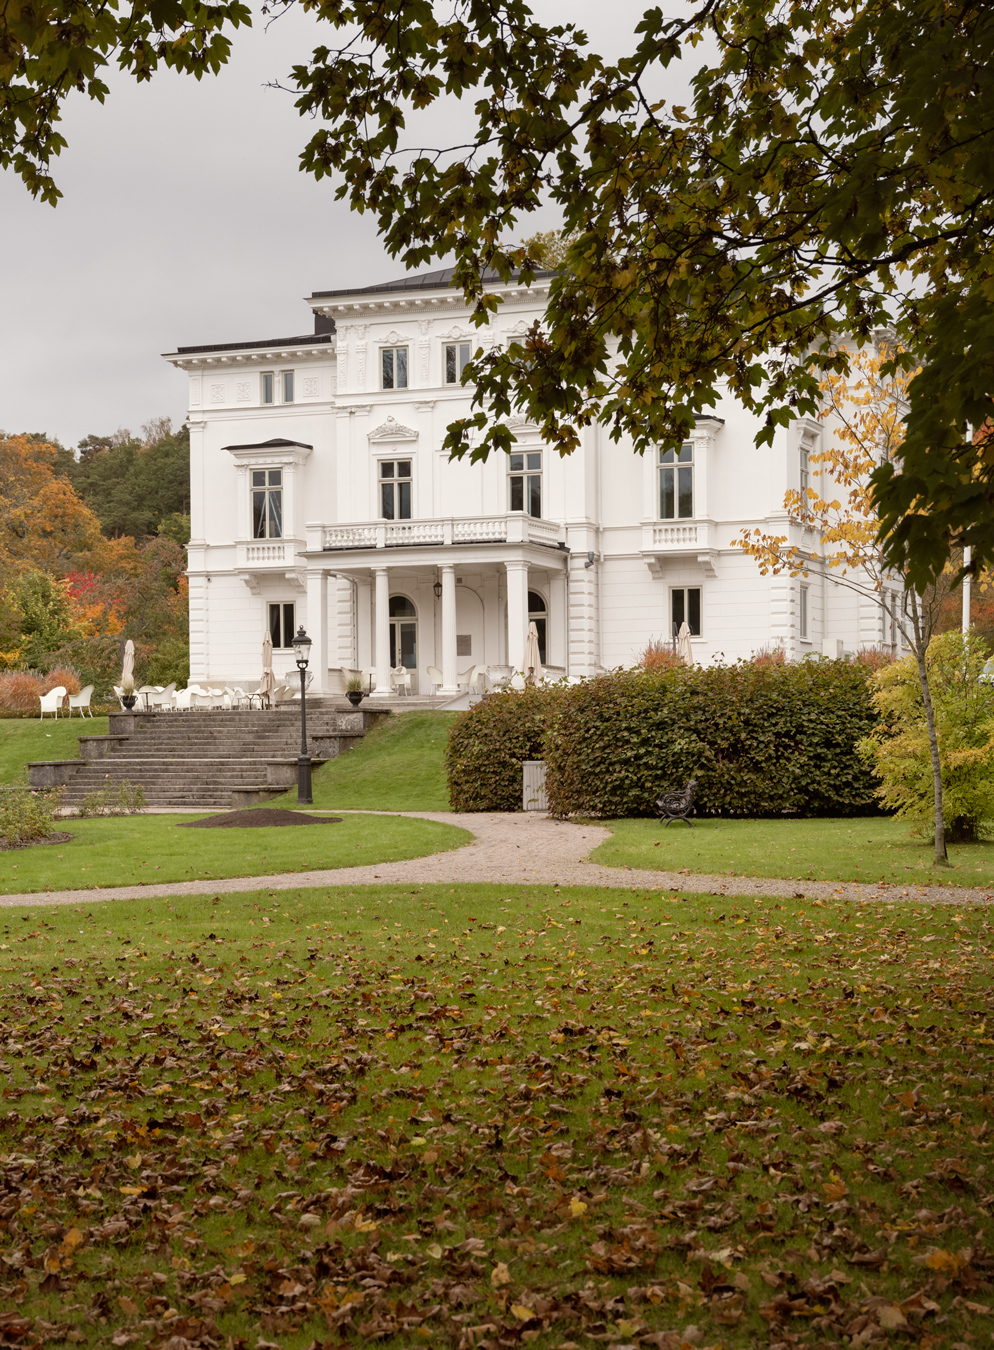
(52, 701)
(162, 699)
(400, 678)
(435, 675)
(81, 701)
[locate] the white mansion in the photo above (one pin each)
(321, 496)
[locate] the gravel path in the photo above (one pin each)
(518, 849)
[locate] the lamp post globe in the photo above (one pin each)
(302, 653)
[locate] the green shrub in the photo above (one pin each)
(488, 743)
(169, 663)
(127, 799)
(27, 816)
(898, 747)
(760, 740)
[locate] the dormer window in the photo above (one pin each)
(267, 503)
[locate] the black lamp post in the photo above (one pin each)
(302, 651)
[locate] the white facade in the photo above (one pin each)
(609, 562)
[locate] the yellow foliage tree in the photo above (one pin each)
(43, 521)
(865, 411)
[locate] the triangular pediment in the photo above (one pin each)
(392, 430)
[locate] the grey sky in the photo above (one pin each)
(184, 219)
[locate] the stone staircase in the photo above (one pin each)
(205, 760)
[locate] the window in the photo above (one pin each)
(685, 607)
(526, 482)
(403, 633)
(395, 489)
(805, 475)
(803, 612)
(537, 614)
(281, 630)
(393, 367)
(267, 503)
(268, 387)
(456, 355)
(676, 483)
(286, 380)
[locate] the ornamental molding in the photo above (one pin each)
(394, 339)
(456, 331)
(392, 430)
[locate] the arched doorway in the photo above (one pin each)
(538, 615)
(403, 633)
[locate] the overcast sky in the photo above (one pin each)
(184, 219)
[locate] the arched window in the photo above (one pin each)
(403, 633)
(537, 614)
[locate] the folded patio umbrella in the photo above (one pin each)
(128, 667)
(268, 682)
(683, 648)
(533, 661)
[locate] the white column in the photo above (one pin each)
(557, 641)
(517, 613)
(449, 672)
(317, 624)
(381, 646)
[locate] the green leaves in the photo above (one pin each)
(49, 49)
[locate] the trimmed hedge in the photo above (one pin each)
(760, 740)
(488, 743)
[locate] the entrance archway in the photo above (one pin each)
(403, 633)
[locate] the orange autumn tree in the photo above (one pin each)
(43, 520)
(865, 411)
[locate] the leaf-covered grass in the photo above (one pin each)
(493, 1116)
(123, 851)
(871, 848)
(397, 766)
(47, 738)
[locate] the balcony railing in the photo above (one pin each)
(515, 528)
(266, 553)
(677, 536)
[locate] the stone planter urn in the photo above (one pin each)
(129, 701)
(355, 697)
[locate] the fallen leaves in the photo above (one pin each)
(517, 1144)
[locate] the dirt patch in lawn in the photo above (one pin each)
(268, 815)
(60, 837)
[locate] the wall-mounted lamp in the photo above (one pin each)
(437, 588)
(590, 558)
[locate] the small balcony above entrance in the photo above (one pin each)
(513, 528)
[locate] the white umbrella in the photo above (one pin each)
(268, 682)
(128, 668)
(533, 661)
(683, 649)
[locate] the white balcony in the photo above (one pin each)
(259, 559)
(662, 539)
(515, 528)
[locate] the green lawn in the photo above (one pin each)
(121, 851)
(398, 766)
(50, 738)
(873, 848)
(444, 1116)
